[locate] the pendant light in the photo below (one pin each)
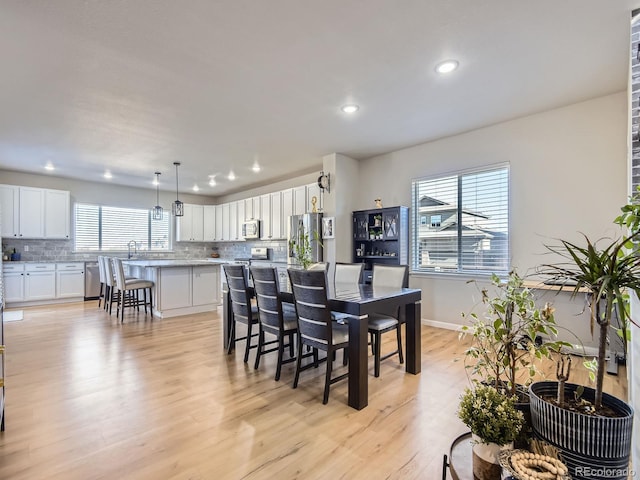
(156, 212)
(177, 208)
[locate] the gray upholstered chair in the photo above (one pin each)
(129, 289)
(386, 276)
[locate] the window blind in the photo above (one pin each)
(108, 229)
(461, 222)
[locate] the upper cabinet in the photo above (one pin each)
(190, 227)
(209, 227)
(29, 212)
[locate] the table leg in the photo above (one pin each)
(413, 333)
(358, 363)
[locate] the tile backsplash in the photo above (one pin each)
(62, 250)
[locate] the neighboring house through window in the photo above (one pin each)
(461, 222)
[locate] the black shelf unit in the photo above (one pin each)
(380, 235)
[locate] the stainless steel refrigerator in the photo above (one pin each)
(303, 228)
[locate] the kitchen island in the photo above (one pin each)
(181, 287)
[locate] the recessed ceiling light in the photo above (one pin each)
(447, 66)
(108, 175)
(352, 108)
(196, 188)
(49, 166)
(231, 176)
(256, 167)
(212, 181)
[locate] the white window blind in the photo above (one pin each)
(107, 229)
(461, 222)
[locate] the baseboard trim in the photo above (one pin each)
(445, 325)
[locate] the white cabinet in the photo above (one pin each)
(252, 208)
(219, 223)
(226, 219)
(13, 280)
(57, 214)
(29, 212)
(209, 227)
(9, 210)
(31, 217)
(206, 288)
(240, 216)
(39, 281)
(271, 216)
(300, 200)
(70, 280)
(313, 191)
(190, 227)
(277, 230)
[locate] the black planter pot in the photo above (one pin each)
(592, 447)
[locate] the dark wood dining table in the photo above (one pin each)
(358, 302)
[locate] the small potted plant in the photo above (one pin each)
(494, 422)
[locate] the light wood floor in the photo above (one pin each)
(90, 398)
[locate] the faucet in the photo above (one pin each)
(135, 248)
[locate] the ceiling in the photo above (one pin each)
(132, 86)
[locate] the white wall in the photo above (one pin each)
(568, 175)
(102, 193)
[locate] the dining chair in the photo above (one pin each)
(129, 289)
(315, 328)
(348, 273)
(275, 317)
(394, 276)
(110, 290)
(103, 281)
(243, 311)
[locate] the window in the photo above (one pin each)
(99, 228)
(468, 222)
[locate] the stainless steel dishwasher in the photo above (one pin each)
(91, 281)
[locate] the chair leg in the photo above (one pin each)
(399, 335)
(327, 380)
(298, 362)
(232, 336)
(260, 346)
(248, 344)
(101, 295)
(376, 355)
(280, 355)
(371, 337)
(151, 302)
(291, 352)
(345, 356)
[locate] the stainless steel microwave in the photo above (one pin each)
(251, 229)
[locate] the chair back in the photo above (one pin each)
(310, 298)
(108, 271)
(348, 273)
(118, 271)
(319, 266)
(265, 283)
(240, 299)
(103, 278)
(395, 276)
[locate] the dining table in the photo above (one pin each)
(357, 302)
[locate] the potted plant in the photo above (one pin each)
(301, 247)
(494, 422)
(510, 336)
(600, 437)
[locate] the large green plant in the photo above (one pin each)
(605, 273)
(504, 339)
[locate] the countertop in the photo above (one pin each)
(174, 263)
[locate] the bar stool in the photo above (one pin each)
(103, 283)
(128, 291)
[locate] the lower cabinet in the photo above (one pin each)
(69, 280)
(38, 282)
